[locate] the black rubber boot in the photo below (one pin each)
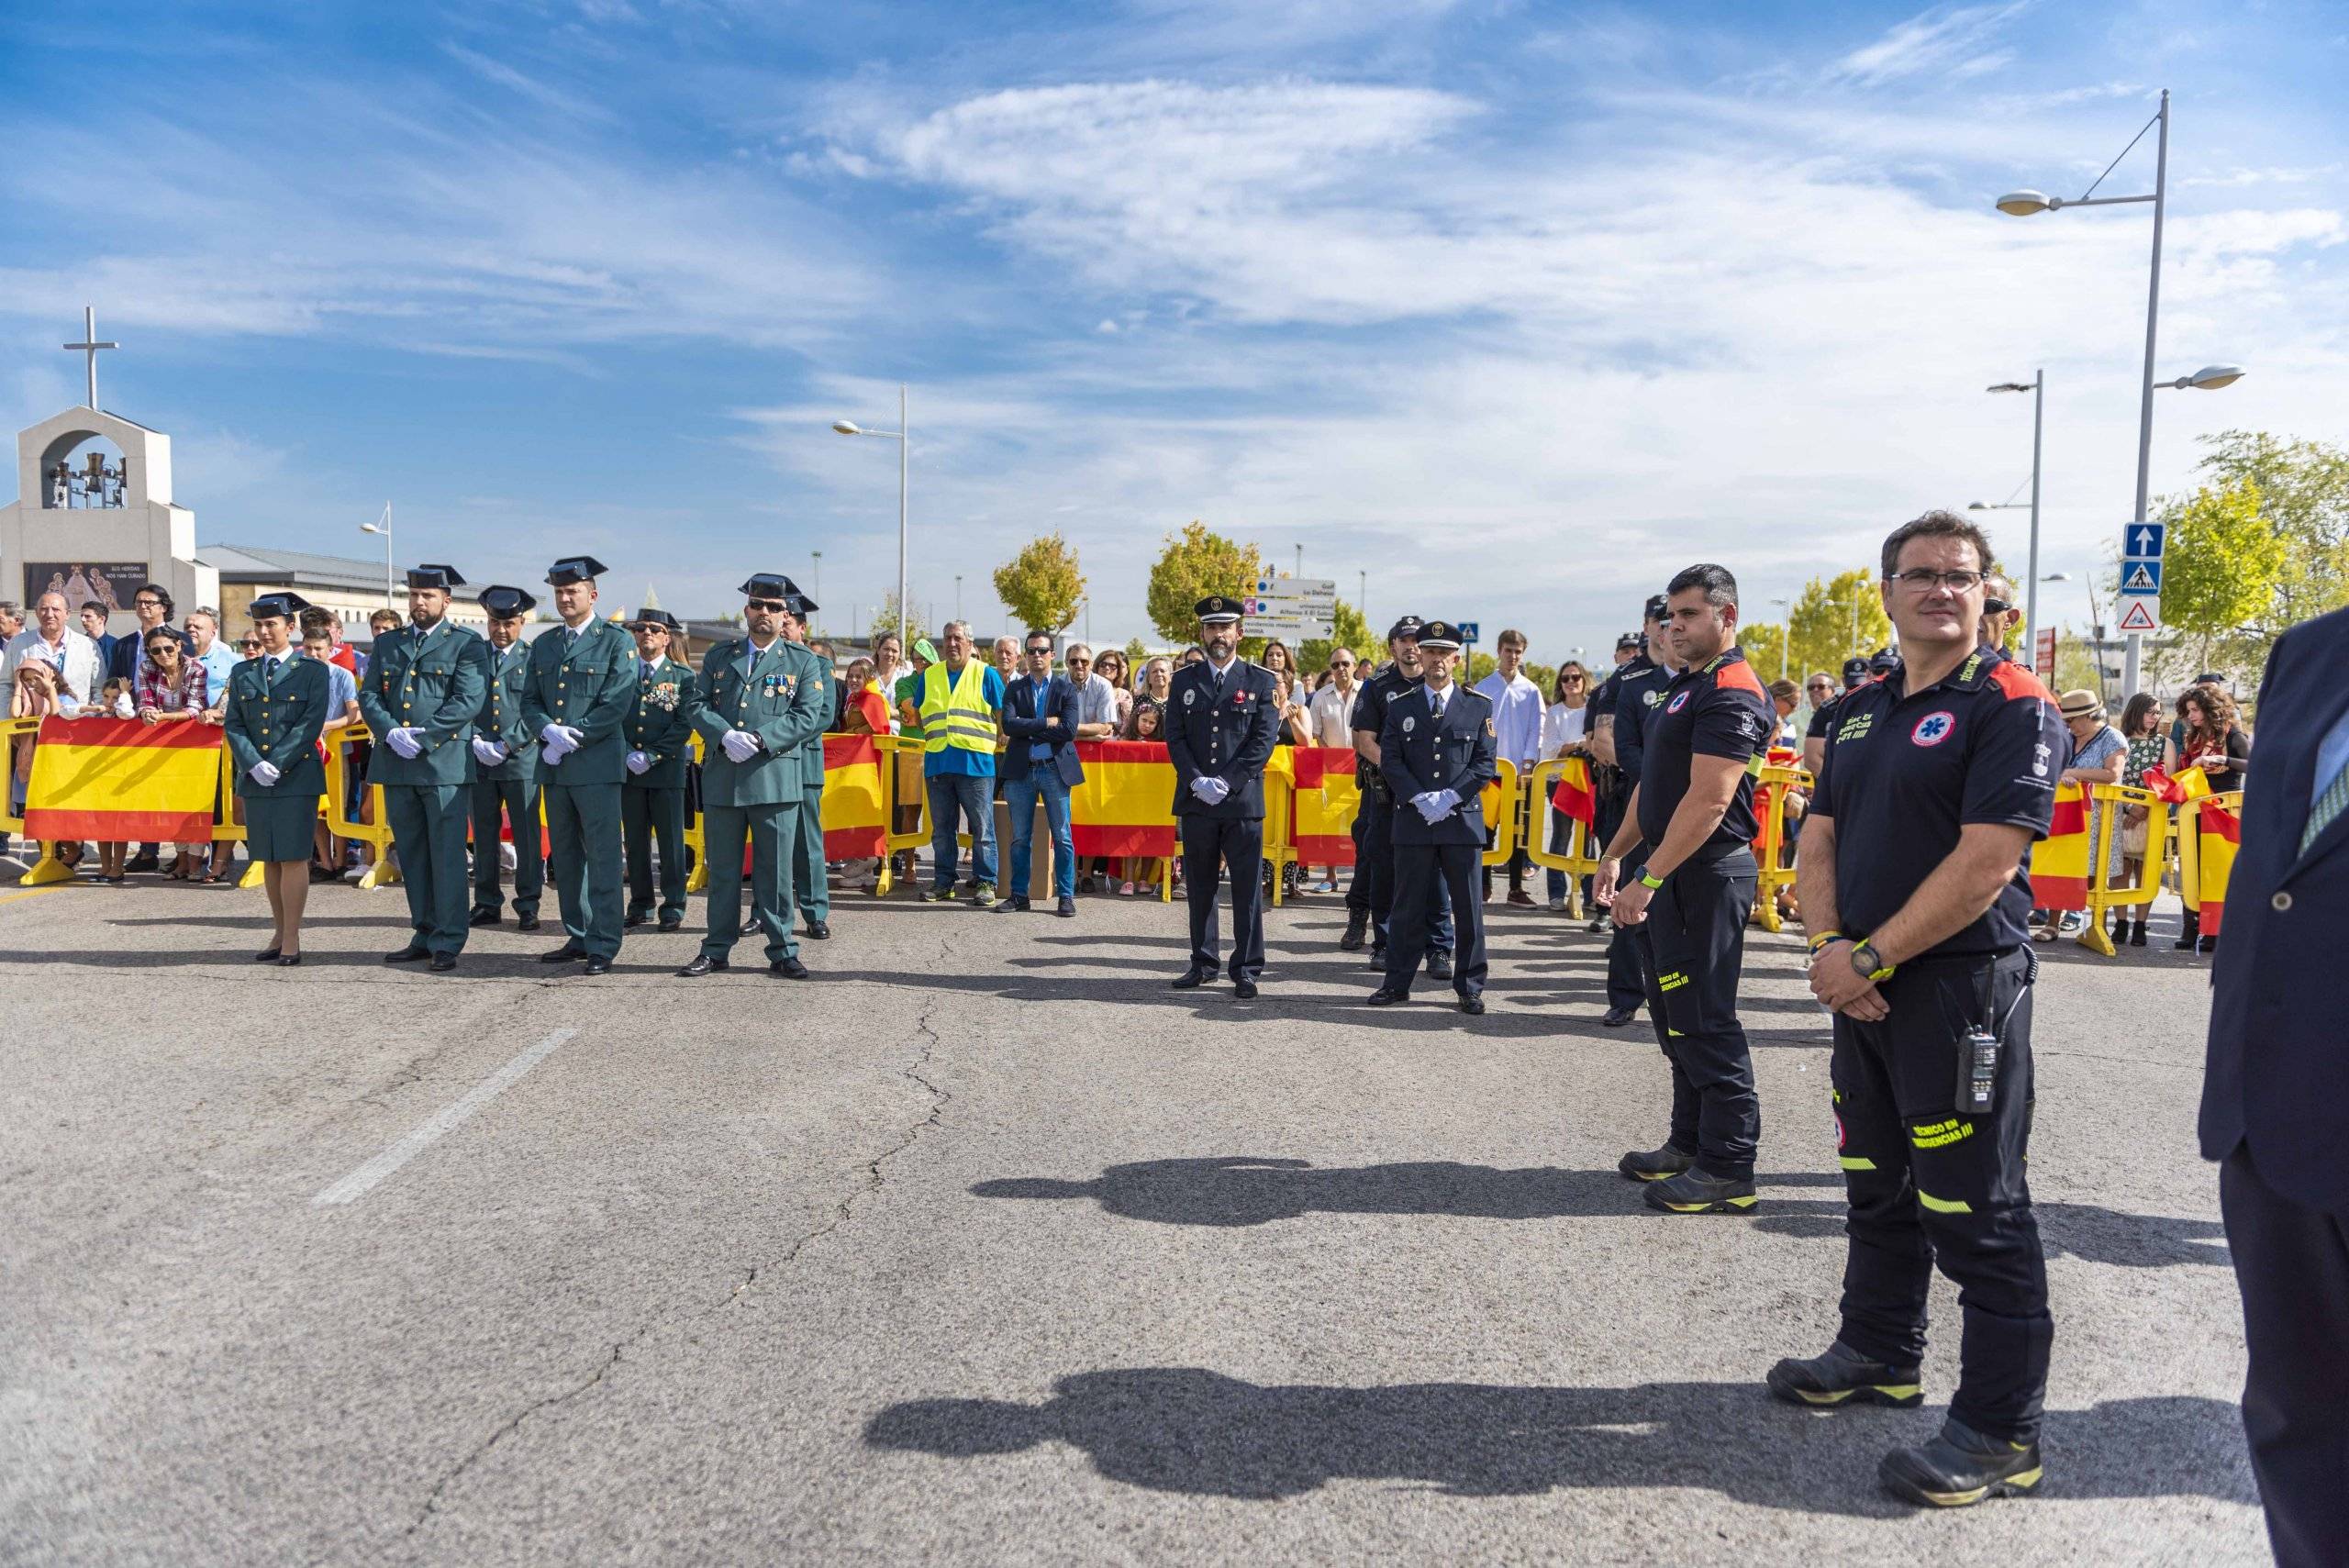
(1843, 1376)
(1655, 1164)
(1960, 1466)
(1357, 929)
(1699, 1192)
(2191, 933)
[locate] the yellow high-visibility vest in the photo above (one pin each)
(955, 709)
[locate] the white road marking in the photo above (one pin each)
(359, 1182)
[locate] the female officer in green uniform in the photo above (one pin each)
(277, 706)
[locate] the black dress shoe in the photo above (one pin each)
(821, 931)
(527, 922)
(1615, 1018)
(1387, 996)
(632, 919)
(702, 964)
(1066, 909)
(407, 955)
(443, 963)
(142, 863)
(1356, 932)
(269, 956)
(1015, 904)
(1243, 990)
(288, 960)
(789, 968)
(569, 953)
(483, 917)
(1473, 1005)
(599, 964)
(676, 923)
(1440, 967)
(1189, 980)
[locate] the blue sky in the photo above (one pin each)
(1517, 307)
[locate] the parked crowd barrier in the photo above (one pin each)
(1562, 787)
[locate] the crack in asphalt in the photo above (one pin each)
(842, 1211)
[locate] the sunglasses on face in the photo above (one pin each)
(1040, 653)
(771, 605)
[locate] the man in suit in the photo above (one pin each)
(1222, 716)
(1040, 712)
(505, 767)
(659, 733)
(423, 691)
(1436, 752)
(576, 697)
(764, 698)
(809, 889)
(2276, 1092)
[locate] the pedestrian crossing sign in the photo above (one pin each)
(2141, 576)
(2140, 615)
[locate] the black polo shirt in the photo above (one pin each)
(1903, 773)
(1716, 709)
(1370, 712)
(1639, 692)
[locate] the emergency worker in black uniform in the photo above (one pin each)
(1437, 752)
(1222, 716)
(1814, 735)
(1639, 694)
(1914, 883)
(1688, 898)
(1376, 857)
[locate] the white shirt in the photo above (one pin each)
(1517, 716)
(1096, 702)
(1561, 727)
(74, 656)
(1331, 713)
(1438, 699)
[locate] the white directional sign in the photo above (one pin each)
(1293, 607)
(2141, 614)
(2141, 577)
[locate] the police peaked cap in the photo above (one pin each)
(1409, 626)
(1629, 640)
(1439, 634)
(1886, 660)
(506, 603)
(427, 575)
(1659, 608)
(285, 602)
(575, 569)
(1216, 610)
(656, 618)
(1855, 670)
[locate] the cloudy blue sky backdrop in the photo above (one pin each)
(1517, 306)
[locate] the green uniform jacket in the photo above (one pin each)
(500, 717)
(587, 684)
(784, 700)
(279, 724)
(661, 724)
(811, 771)
(431, 681)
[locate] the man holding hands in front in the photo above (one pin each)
(1221, 717)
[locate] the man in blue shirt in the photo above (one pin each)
(959, 699)
(217, 657)
(1040, 715)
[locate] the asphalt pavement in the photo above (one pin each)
(983, 1246)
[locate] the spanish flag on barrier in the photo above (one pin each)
(119, 780)
(2218, 833)
(1574, 797)
(1322, 808)
(856, 822)
(2059, 864)
(1125, 807)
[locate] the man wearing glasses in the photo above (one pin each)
(1332, 711)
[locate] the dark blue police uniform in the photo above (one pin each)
(1904, 773)
(1424, 751)
(1374, 848)
(1221, 725)
(1693, 940)
(1638, 692)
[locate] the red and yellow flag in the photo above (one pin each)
(1126, 805)
(1322, 808)
(2219, 833)
(119, 780)
(1574, 797)
(856, 820)
(2059, 864)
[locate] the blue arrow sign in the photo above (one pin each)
(2144, 539)
(2141, 577)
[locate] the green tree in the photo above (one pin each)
(2224, 570)
(1136, 652)
(885, 620)
(1479, 665)
(1041, 585)
(1824, 616)
(1761, 644)
(2304, 497)
(1195, 563)
(1352, 631)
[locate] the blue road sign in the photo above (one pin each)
(2142, 577)
(2145, 541)
(1467, 632)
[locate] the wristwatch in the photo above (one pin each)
(1644, 880)
(1869, 965)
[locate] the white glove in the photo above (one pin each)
(265, 775)
(741, 746)
(557, 743)
(1428, 804)
(403, 740)
(488, 753)
(1449, 800)
(639, 762)
(1209, 788)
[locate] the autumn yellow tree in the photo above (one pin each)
(1041, 585)
(1195, 563)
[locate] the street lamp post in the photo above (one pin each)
(2037, 387)
(1786, 634)
(816, 594)
(903, 436)
(382, 525)
(1362, 594)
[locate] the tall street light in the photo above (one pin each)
(2024, 204)
(382, 525)
(816, 594)
(2037, 387)
(902, 437)
(1786, 634)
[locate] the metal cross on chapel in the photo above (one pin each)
(88, 348)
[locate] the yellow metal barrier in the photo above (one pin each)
(2188, 833)
(48, 868)
(1580, 857)
(1782, 781)
(697, 879)
(376, 835)
(2114, 800)
(1505, 824)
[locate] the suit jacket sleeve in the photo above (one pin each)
(1403, 784)
(1027, 726)
(468, 690)
(608, 712)
(1484, 765)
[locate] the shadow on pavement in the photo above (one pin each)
(1190, 1431)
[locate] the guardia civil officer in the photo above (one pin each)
(1375, 858)
(810, 888)
(1222, 714)
(421, 695)
(1638, 692)
(277, 706)
(576, 697)
(1689, 896)
(1936, 781)
(505, 767)
(764, 699)
(658, 735)
(1436, 752)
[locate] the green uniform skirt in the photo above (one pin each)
(279, 827)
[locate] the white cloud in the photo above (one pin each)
(1946, 39)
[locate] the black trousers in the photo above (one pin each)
(2292, 1264)
(1692, 947)
(1210, 842)
(1928, 1185)
(1378, 854)
(647, 816)
(1358, 885)
(1627, 965)
(1423, 874)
